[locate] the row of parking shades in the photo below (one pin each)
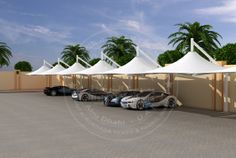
(191, 64)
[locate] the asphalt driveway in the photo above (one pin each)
(35, 125)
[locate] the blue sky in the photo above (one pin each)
(37, 30)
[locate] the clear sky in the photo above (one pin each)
(40, 29)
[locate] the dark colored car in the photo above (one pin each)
(114, 100)
(58, 90)
(89, 95)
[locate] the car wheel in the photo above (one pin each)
(53, 93)
(107, 100)
(84, 97)
(171, 103)
(140, 105)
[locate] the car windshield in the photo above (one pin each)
(87, 90)
(97, 91)
(143, 94)
(157, 94)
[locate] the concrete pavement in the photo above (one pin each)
(35, 125)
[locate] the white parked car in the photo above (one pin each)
(150, 99)
(89, 95)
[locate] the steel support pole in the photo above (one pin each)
(226, 109)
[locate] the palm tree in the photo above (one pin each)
(121, 49)
(202, 34)
(94, 61)
(5, 54)
(71, 51)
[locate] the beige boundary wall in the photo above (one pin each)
(19, 81)
(204, 91)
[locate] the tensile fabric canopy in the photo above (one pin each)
(54, 71)
(76, 67)
(192, 63)
(98, 68)
(40, 70)
(137, 65)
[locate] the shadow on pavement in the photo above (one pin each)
(228, 115)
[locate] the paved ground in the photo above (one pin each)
(33, 125)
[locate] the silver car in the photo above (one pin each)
(89, 95)
(150, 99)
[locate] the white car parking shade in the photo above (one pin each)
(54, 71)
(136, 66)
(76, 67)
(191, 63)
(42, 69)
(227, 70)
(98, 68)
